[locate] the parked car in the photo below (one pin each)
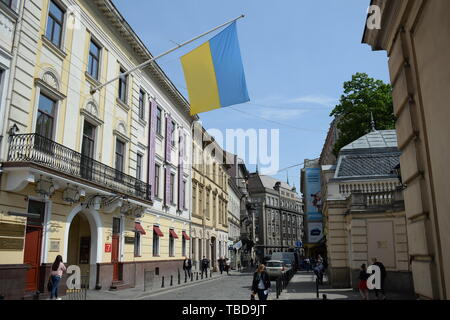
(289, 257)
(275, 268)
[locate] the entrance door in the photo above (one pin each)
(115, 249)
(87, 151)
(33, 242)
(32, 256)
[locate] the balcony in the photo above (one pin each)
(376, 201)
(36, 149)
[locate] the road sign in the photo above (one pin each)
(298, 244)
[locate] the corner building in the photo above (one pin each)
(102, 178)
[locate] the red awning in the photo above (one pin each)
(185, 236)
(158, 231)
(138, 228)
(173, 234)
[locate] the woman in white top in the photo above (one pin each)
(58, 268)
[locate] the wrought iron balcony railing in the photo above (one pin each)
(47, 153)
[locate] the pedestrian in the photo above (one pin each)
(187, 266)
(261, 283)
(308, 264)
(205, 265)
(318, 270)
(227, 266)
(239, 266)
(58, 268)
(251, 262)
(380, 295)
(221, 264)
(363, 276)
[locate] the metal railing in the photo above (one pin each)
(283, 281)
(48, 153)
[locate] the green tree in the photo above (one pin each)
(362, 97)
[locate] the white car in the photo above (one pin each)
(275, 268)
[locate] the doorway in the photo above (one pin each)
(33, 243)
(79, 246)
(115, 250)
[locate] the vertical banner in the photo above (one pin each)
(313, 194)
(151, 148)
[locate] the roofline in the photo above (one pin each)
(171, 88)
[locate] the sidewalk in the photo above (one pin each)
(303, 287)
(138, 293)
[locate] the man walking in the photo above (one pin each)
(221, 264)
(381, 296)
(205, 265)
(187, 266)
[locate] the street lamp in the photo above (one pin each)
(277, 188)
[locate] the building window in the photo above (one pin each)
(46, 116)
(183, 204)
(172, 188)
(173, 134)
(207, 204)
(137, 244)
(200, 202)
(155, 244)
(120, 157)
(8, 3)
(123, 87)
(55, 24)
(156, 186)
(194, 198)
(158, 121)
(141, 104)
(139, 166)
(171, 245)
(94, 60)
(183, 247)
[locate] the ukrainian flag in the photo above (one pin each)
(214, 73)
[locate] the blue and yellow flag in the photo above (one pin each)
(214, 73)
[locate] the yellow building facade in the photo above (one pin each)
(209, 200)
(98, 178)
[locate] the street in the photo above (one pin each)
(236, 286)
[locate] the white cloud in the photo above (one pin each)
(316, 99)
(280, 113)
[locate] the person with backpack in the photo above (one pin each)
(204, 265)
(58, 268)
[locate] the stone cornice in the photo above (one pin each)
(128, 34)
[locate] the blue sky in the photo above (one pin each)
(296, 54)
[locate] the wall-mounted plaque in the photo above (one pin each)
(11, 244)
(54, 245)
(12, 230)
(129, 240)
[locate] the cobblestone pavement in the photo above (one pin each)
(236, 286)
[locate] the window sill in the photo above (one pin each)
(159, 136)
(142, 122)
(123, 105)
(10, 12)
(53, 48)
(94, 82)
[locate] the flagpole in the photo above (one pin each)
(142, 65)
